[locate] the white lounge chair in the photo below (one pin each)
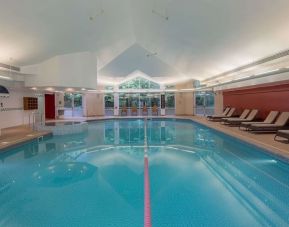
(279, 124)
(242, 116)
(235, 122)
(269, 120)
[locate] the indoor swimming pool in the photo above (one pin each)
(197, 177)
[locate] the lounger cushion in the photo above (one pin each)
(266, 125)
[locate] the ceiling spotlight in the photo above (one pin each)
(100, 12)
(49, 89)
(152, 54)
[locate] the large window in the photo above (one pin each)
(139, 83)
(68, 99)
(144, 100)
(170, 100)
(155, 100)
(134, 100)
(128, 100)
(109, 100)
(123, 100)
(78, 101)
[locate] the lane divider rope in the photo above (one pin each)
(147, 206)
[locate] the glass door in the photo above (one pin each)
(144, 104)
(68, 102)
(134, 104)
(73, 105)
(204, 103)
(155, 103)
(109, 104)
(77, 105)
(123, 104)
(170, 103)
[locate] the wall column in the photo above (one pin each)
(179, 104)
(185, 100)
(218, 98)
(116, 104)
(93, 104)
(189, 103)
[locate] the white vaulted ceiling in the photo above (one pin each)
(34, 30)
(137, 58)
(195, 38)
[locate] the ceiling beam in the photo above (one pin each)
(9, 67)
(255, 63)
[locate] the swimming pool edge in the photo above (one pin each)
(24, 140)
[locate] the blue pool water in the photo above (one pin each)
(198, 177)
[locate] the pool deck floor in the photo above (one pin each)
(263, 140)
(13, 136)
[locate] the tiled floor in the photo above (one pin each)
(15, 135)
(20, 134)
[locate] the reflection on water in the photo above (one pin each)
(193, 170)
(63, 173)
(194, 184)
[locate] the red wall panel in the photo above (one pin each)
(50, 106)
(271, 97)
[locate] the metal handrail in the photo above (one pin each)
(204, 109)
(35, 118)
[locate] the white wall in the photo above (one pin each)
(17, 116)
(70, 70)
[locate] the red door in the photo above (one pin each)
(49, 106)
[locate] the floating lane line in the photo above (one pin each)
(147, 206)
(147, 210)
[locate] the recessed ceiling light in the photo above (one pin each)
(69, 89)
(49, 89)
